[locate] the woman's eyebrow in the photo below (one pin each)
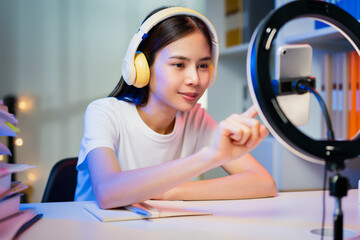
(187, 59)
(179, 57)
(205, 59)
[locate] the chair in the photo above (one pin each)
(61, 184)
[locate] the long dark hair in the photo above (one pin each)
(161, 35)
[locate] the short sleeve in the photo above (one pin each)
(100, 128)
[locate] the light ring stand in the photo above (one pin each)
(261, 90)
(333, 152)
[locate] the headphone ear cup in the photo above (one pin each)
(211, 71)
(142, 70)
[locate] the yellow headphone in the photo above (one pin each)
(135, 68)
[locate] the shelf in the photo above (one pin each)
(235, 51)
(327, 38)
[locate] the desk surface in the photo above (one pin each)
(290, 215)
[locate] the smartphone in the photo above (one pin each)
(293, 61)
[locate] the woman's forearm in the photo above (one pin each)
(238, 186)
(121, 188)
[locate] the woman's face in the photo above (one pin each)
(180, 73)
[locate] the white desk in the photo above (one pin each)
(290, 215)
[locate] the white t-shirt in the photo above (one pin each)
(117, 125)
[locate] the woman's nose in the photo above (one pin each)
(192, 76)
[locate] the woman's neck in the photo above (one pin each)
(160, 120)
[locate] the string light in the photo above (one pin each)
(19, 142)
(32, 177)
(23, 105)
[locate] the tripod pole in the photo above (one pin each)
(338, 220)
(339, 186)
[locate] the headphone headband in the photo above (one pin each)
(128, 65)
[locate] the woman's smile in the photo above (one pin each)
(189, 96)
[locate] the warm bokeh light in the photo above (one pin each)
(23, 105)
(32, 177)
(1, 158)
(19, 142)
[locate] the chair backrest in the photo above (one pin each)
(61, 184)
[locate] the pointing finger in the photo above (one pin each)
(250, 112)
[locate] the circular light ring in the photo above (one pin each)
(261, 90)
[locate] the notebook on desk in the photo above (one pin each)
(158, 209)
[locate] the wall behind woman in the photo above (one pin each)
(59, 55)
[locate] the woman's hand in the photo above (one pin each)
(237, 135)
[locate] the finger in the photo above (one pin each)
(243, 119)
(247, 133)
(241, 130)
(255, 135)
(234, 129)
(263, 131)
(250, 112)
(226, 128)
(248, 127)
(237, 132)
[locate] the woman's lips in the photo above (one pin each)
(189, 96)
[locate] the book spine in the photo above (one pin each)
(327, 80)
(344, 75)
(336, 97)
(358, 92)
(234, 22)
(353, 74)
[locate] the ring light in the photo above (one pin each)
(261, 90)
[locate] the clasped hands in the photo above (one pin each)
(238, 135)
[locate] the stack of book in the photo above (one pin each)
(340, 87)
(13, 221)
(242, 17)
(234, 22)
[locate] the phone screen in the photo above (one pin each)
(294, 61)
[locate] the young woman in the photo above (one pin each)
(149, 142)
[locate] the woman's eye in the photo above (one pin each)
(205, 66)
(178, 65)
